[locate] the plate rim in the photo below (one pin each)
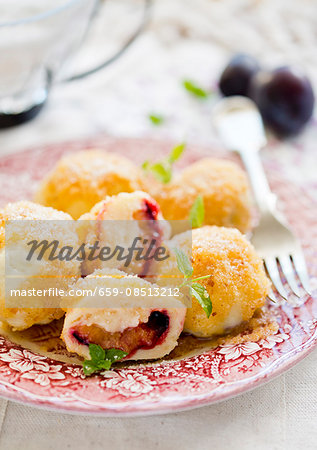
(183, 404)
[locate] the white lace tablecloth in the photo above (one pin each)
(186, 39)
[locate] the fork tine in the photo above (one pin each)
(301, 269)
(288, 271)
(272, 296)
(272, 269)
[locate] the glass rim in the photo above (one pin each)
(44, 15)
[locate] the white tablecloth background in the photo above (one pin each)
(187, 38)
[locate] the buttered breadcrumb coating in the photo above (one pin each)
(145, 327)
(82, 179)
(237, 285)
(36, 275)
(223, 186)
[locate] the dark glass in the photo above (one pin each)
(11, 120)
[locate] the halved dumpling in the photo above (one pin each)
(27, 222)
(121, 220)
(144, 327)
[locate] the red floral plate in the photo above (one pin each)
(172, 385)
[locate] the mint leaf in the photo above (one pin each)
(195, 90)
(96, 352)
(197, 212)
(176, 153)
(201, 294)
(101, 359)
(162, 172)
(115, 354)
(156, 119)
(183, 263)
(89, 367)
(146, 165)
(104, 365)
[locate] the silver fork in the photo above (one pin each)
(240, 127)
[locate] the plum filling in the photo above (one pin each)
(144, 336)
(151, 231)
(151, 209)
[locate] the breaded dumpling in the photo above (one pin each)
(237, 285)
(120, 220)
(145, 327)
(82, 179)
(223, 186)
(33, 222)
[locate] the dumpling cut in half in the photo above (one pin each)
(120, 221)
(143, 327)
(20, 224)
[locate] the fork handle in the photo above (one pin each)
(264, 197)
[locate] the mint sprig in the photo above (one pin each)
(197, 212)
(197, 290)
(195, 90)
(201, 294)
(101, 359)
(156, 119)
(176, 153)
(163, 170)
(183, 263)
